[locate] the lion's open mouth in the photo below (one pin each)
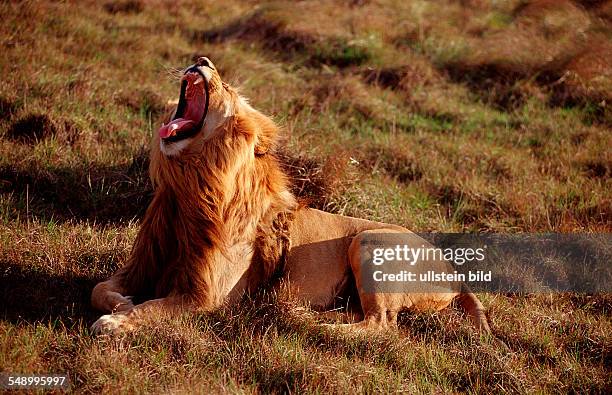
(191, 109)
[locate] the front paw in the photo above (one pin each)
(116, 302)
(123, 304)
(112, 324)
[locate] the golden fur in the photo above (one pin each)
(204, 204)
(223, 220)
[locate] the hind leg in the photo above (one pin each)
(377, 315)
(380, 310)
(475, 310)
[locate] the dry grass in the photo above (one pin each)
(440, 116)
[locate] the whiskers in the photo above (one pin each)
(173, 72)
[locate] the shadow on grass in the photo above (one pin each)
(103, 194)
(99, 194)
(277, 37)
(32, 295)
(497, 84)
(505, 87)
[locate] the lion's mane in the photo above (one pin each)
(232, 191)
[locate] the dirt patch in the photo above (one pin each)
(385, 77)
(598, 169)
(124, 7)
(34, 127)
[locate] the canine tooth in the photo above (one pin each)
(199, 80)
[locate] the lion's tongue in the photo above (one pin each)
(174, 127)
(195, 105)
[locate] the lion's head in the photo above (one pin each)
(205, 103)
(211, 120)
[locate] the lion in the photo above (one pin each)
(223, 223)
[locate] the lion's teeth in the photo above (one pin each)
(199, 80)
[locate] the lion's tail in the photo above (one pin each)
(475, 310)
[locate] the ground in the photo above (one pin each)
(449, 116)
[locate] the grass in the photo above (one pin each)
(439, 116)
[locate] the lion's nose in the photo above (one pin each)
(203, 61)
